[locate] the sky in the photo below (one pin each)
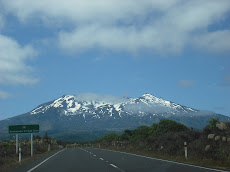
(175, 49)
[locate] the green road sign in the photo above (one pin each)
(24, 128)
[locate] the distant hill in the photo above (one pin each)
(88, 116)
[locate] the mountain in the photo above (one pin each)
(75, 116)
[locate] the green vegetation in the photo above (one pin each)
(166, 126)
(8, 157)
(213, 122)
(166, 140)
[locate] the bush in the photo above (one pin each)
(213, 122)
(110, 137)
(142, 132)
(165, 126)
(168, 137)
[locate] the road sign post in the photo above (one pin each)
(24, 129)
(185, 150)
(16, 144)
(20, 155)
(49, 147)
(31, 144)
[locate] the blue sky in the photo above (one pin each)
(174, 49)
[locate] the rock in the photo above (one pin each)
(207, 148)
(217, 138)
(221, 126)
(228, 140)
(211, 136)
(224, 139)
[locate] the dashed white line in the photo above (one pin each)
(212, 169)
(116, 167)
(113, 165)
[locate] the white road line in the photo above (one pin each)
(166, 161)
(110, 164)
(114, 166)
(45, 160)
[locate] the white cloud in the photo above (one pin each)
(111, 38)
(100, 98)
(98, 11)
(13, 59)
(132, 25)
(186, 83)
(4, 95)
(218, 41)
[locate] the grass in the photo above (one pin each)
(10, 163)
(9, 160)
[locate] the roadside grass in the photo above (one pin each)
(9, 160)
(10, 163)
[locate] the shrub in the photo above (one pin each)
(110, 137)
(166, 126)
(142, 132)
(213, 122)
(128, 132)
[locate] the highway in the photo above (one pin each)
(93, 160)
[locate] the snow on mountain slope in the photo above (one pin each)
(146, 104)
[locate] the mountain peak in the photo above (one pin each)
(95, 104)
(148, 95)
(106, 111)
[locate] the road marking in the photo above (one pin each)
(166, 160)
(45, 160)
(116, 167)
(110, 164)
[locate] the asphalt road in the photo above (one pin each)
(92, 159)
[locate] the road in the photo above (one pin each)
(93, 160)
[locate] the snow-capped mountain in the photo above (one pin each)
(91, 112)
(147, 104)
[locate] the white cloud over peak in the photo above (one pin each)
(162, 26)
(106, 98)
(13, 59)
